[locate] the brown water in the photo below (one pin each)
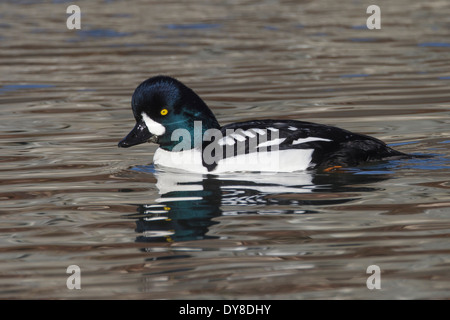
(69, 196)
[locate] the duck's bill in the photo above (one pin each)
(138, 135)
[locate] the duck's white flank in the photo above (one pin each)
(187, 160)
(273, 161)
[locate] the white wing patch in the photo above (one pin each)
(271, 142)
(303, 140)
(237, 136)
(227, 140)
(249, 134)
(259, 131)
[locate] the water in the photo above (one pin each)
(69, 196)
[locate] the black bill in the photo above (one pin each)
(138, 135)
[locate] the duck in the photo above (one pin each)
(190, 138)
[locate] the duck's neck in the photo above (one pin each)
(187, 135)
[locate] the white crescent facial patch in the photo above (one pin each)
(154, 127)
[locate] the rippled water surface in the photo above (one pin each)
(69, 196)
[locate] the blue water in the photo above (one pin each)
(14, 87)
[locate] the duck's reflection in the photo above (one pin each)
(189, 202)
(184, 211)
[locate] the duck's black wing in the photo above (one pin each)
(331, 146)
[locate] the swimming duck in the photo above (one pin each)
(190, 138)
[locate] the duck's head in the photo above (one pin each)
(162, 105)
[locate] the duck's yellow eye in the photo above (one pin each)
(164, 112)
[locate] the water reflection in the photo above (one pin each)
(189, 202)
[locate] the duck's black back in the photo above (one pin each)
(334, 146)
